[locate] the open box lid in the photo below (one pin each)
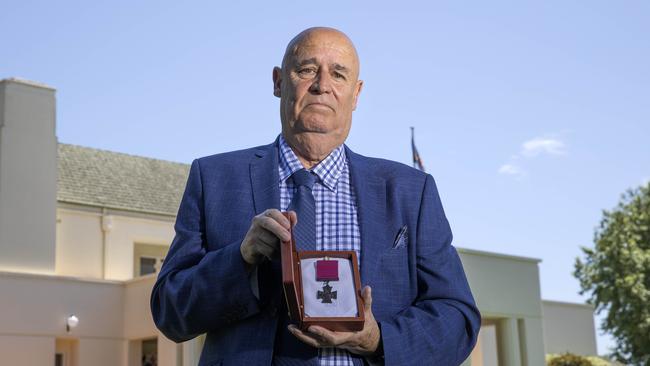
(291, 277)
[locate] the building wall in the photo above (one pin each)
(26, 350)
(111, 315)
(569, 328)
(95, 243)
(507, 292)
(102, 352)
(503, 284)
(138, 321)
(124, 233)
(40, 305)
(79, 245)
(28, 171)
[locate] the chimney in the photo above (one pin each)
(28, 174)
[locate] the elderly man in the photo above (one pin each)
(221, 276)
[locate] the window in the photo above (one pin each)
(150, 352)
(149, 265)
(148, 258)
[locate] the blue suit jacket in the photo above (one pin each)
(421, 298)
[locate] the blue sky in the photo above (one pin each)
(533, 117)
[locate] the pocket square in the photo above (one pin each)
(402, 238)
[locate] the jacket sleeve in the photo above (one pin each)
(199, 290)
(441, 326)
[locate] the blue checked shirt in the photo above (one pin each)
(337, 226)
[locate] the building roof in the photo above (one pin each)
(497, 255)
(120, 181)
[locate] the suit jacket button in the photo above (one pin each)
(273, 311)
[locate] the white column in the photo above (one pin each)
(508, 342)
(531, 339)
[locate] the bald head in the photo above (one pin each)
(319, 36)
(318, 86)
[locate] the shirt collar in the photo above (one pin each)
(329, 170)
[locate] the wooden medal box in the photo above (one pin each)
(293, 289)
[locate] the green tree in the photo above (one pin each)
(616, 274)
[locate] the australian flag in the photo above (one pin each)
(417, 160)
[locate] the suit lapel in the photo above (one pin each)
(264, 178)
(266, 194)
(370, 190)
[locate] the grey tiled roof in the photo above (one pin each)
(115, 180)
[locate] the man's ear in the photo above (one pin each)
(357, 91)
(277, 81)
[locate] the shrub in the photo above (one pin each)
(569, 359)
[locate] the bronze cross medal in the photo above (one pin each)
(327, 294)
(326, 271)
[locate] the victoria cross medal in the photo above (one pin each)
(326, 271)
(327, 294)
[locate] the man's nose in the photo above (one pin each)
(322, 83)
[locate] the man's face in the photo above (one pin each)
(318, 87)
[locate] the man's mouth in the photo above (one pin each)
(319, 106)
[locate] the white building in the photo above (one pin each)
(82, 232)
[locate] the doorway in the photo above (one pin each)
(66, 352)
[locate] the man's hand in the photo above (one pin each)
(263, 237)
(363, 342)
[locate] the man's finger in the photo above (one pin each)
(265, 250)
(330, 338)
(278, 216)
(305, 338)
(293, 217)
(274, 227)
(268, 238)
(366, 294)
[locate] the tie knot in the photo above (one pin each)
(305, 178)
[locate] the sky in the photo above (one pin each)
(533, 117)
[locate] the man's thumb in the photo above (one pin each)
(366, 294)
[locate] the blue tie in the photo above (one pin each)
(303, 203)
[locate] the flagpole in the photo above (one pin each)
(417, 160)
(413, 143)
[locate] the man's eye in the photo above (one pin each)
(306, 71)
(339, 76)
